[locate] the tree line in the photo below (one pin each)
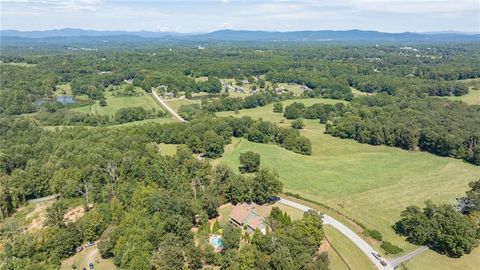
(447, 229)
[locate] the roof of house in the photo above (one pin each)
(240, 212)
(253, 220)
(244, 214)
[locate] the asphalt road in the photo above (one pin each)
(357, 240)
(164, 105)
(398, 260)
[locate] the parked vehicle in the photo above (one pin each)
(376, 255)
(383, 262)
(89, 244)
(90, 265)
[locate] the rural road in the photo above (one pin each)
(397, 261)
(164, 105)
(357, 240)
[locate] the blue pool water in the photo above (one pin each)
(216, 242)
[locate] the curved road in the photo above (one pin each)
(164, 105)
(357, 240)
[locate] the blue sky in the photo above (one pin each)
(281, 15)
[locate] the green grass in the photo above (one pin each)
(357, 92)
(294, 88)
(353, 256)
(84, 257)
(19, 64)
(375, 182)
(114, 103)
(267, 113)
(430, 260)
(63, 89)
(176, 103)
(472, 98)
(168, 149)
(162, 120)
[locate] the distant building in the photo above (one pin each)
(281, 90)
(304, 87)
(243, 215)
(239, 89)
(200, 47)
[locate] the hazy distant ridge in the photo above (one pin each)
(246, 35)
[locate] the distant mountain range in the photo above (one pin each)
(246, 35)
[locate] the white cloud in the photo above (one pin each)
(200, 15)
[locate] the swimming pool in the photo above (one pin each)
(216, 241)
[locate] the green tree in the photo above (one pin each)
(55, 214)
(265, 186)
(282, 259)
(213, 144)
(298, 124)
(250, 161)
(231, 237)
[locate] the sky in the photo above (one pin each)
(275, 15)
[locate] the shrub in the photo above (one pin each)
(298, 124)
(390, 248)
(278, 107)
(374, 234)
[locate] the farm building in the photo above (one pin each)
(244, 215)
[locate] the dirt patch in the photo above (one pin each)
(76, 213)
(324, 246)
(37, 217)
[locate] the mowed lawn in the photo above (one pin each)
(348, 253)
(114, 103)
(375, 182)
(176, 103)
(430, 260)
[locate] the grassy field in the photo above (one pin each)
(162, 120)
(472, 98)
(267, 113)
(19, 64)
(86, 256)
(375, 183)
(294, 88)
(176, 103)
(430, 260)
(115, 103)
(352, 256)
(357, 92)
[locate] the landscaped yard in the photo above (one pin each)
(114, 103)
(374, 182)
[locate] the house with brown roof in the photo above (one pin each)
(243, 215)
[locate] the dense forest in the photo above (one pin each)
(145, 202)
